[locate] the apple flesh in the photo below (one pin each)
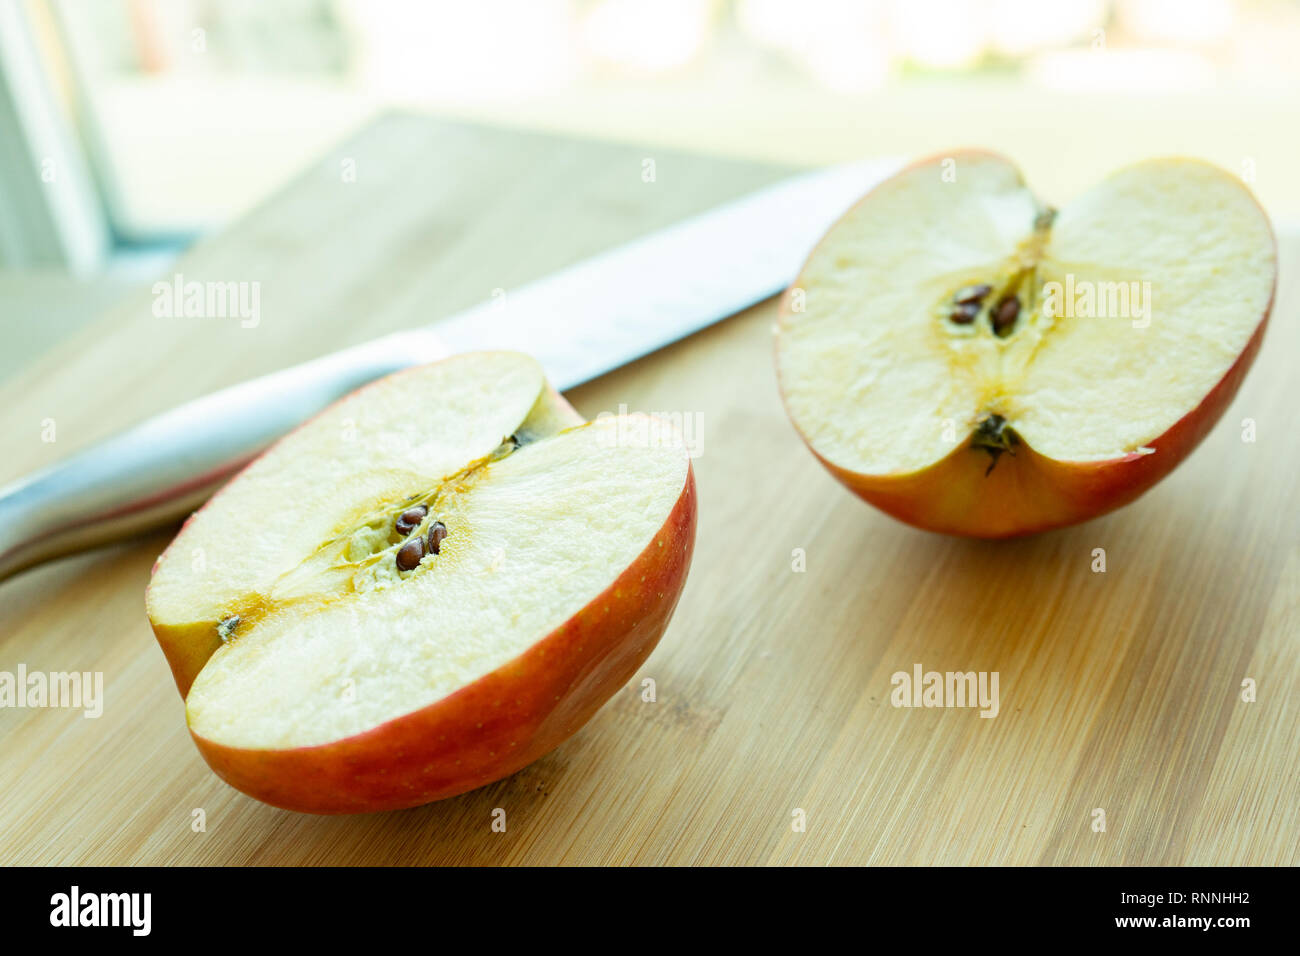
(973, 362)
(424, 589)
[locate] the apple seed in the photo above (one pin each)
(409, 518)
(972, 293)
(1005, 315)
(436, 534)
(964, 314)
(410, 554)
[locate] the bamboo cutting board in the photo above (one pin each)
(772, 738)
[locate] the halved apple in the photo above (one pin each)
(425, 588)
(973, 362)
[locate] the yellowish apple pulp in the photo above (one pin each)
(332, 639)
(1136, 300)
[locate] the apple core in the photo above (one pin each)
(951, 323)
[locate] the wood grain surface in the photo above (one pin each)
(1119, 690)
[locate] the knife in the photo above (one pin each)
(579, 323)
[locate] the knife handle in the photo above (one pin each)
(161, 469)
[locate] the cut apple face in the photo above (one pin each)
(974, 362)
(444, 576)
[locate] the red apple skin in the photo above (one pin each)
(493, 727)
(1028, 492)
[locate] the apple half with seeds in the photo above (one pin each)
(423, 589)
(974, 362)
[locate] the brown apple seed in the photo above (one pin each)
(436, 534)
(965, 313)
(1005, 314)
(409, 518)
(972, 293)
(410, 554)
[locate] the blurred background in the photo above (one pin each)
(161, 120)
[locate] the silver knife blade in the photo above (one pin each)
(579, 323)
(618, 306)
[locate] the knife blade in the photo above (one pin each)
(579, 323)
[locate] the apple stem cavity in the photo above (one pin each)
(994, 436)
(227, 627)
